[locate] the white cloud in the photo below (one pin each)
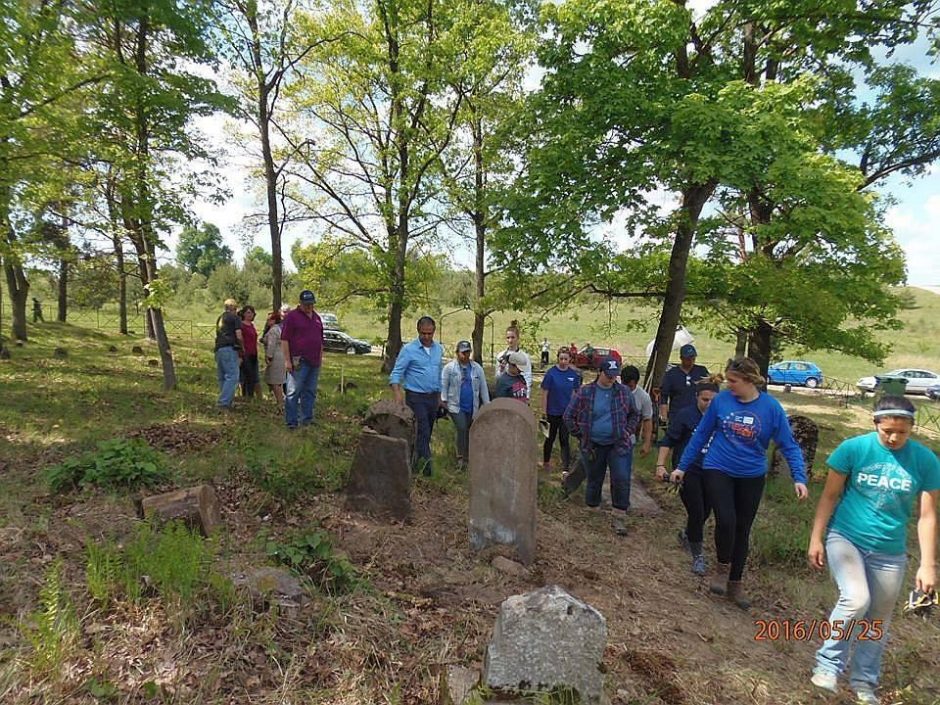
(916, 231)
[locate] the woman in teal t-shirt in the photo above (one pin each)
(864, 512)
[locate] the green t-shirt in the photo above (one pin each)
(880, 490)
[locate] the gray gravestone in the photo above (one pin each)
(380, 477)
(389, 418)
(504, 478)
(545, 640)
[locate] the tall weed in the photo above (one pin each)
(53, 628)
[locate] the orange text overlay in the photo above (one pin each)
(810, 629)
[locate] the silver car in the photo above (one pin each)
(917, 380)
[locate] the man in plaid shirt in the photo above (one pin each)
(604, 417)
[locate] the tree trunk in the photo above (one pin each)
(740, 345)
(479, 227)
(693, 200)
(396, 305)
(760, 340)
(18, 286)
(270, 175)
(122, 285)
(163, 344)
(63, 289)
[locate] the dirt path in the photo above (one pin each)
(669, 641)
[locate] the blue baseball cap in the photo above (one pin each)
(688, 350)
(307, 297)
(610, 366)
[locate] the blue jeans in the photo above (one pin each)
(596, 461)
(869, 584)
(303, 390)
(226, 364)
(424, 407)
(462, 421)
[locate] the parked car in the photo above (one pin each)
(805, 374)
(330, 321)
(934, 392)
(590, 357)
(918, 381)
(338, 341)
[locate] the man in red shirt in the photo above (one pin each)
(302, 347)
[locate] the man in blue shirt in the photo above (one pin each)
(677, 390)
(416, 381)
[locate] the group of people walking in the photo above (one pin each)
(293, 352)
(715, 448)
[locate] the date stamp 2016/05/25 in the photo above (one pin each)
(810, 629)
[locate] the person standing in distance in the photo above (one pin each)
(463, 391)
(302, 348)
(546, 350)
(559, 385)
(416, 381)
(604, 417)
(630, 376)
(861, 524)
(677, 390)
(228, 341)
(524, 363)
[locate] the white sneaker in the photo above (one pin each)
(866, 696)
(826, 681)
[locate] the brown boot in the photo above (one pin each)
(737, 595)
(719, 583)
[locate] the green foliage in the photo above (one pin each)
(172, 562)
(312, 554)
(53, 628)
(116, 464)
(201, 249)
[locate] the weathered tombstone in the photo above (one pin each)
(456, 684)
(806, 434)
(4, 353)
(137, 350)
(153, 363)
(389, 418)
(271, 585)
(196, 506)
(112, 348)
(60, 353)
(503, 478)
(547, 640)
(380, 477)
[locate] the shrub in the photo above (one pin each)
(312, 554)
(116, 464)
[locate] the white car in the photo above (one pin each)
(917, 380)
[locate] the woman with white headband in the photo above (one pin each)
(863, 513)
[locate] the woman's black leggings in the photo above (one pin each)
(696, 504)
(735, 501)
(249, 370)
(556, 426)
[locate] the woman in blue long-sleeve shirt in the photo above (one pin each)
(738, 427)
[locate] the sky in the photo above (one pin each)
(914, 218)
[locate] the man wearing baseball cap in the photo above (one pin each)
(302, 347)
(604, 416)
(678, 388)
(464, 391)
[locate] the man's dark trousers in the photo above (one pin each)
(424, 405)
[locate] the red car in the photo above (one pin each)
(589, 357)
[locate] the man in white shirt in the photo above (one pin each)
(630, 376)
